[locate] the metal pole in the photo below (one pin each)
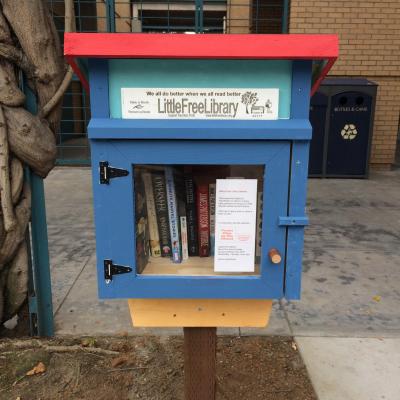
(200, 363)
(285, 17)
(40, 297)
(110, 13)
(41, 263)
(199, 28)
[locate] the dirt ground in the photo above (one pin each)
(148, 368)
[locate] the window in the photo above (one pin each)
(198, 219)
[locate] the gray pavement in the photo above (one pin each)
(352, 255)
(350, 283)
(353, 368)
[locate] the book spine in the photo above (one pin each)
(151, 215)
(160, 200)
(142, 228)
(259, 227)
(211, 197)
(191, 215)
(203, 220)
(184, 238)
(173, 214)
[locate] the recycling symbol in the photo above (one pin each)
(349, 132)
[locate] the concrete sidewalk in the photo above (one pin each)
(350, 281)
(353, 368)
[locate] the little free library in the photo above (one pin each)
(200, 147)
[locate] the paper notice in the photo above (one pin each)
(235, 225)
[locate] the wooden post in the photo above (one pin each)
(200, 363)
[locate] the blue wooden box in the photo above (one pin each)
(281, 146)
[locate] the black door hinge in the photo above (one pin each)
(111, 269)
(107, 172)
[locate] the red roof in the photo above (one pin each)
(219, 46)
(155, 45)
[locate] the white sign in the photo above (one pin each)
(195, 103)
(235, 225)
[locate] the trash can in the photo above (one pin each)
(345, 144)
(318, 118)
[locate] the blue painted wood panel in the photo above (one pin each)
(114, 216)
(105, 128)
(163, 73)
(298, 180)
(98, 81)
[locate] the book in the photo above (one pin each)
(191, 215)
(160, 200)
(181, 199)
(184, 238)
(259, 226)
(203, 220)
(211, 199)
(142, 229)
(173, 214)
(151, 215)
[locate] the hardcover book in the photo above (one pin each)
(191, 215)
(160, 200)
(203, 220)
(142, 229)
(173, 214)
(181, 199)
(151, 215)
(211, 197)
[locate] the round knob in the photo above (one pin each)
(274, 256)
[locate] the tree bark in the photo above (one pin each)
(5, 183)
(15, 237)
(10, 94)
(31, 140)
(16, 287)
(17, 179)
(41, 47)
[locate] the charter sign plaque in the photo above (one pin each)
(200, 103)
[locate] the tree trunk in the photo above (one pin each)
(28, 42)
(32, 24)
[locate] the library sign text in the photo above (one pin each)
(199, 103)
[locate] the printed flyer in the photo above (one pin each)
(199, 103)
(235, 225)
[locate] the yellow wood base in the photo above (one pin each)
(199, 312)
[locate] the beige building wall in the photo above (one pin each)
(238, 16)
(369, 34)
(123, 17)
